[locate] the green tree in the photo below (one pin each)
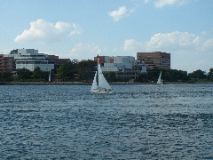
(210, 74)
(198, 74)
(24, 74)
(86, 69)
(174, 75)
(110, 76)
(167, 76)
(152, 75)
(6, 77)
(39, 75)
(67, 71)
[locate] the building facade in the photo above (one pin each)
(116, 63)
(31, 59)
(155, 60)
(7, 64)
(125, 67)
(53, 59)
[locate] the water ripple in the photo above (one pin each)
(134, 122)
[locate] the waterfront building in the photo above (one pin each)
(124, 63)
(53, 59)
(153, 60)
(104, 59)
(7, 64)
(124, 67)
(116, 63)
(109, 67)
(31, 59)
(140, 67)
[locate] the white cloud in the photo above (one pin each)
(84, 51)
(47, 31)
(132, 45)
(179, 41)
(208, 45)
(162, 3)
(120, 13)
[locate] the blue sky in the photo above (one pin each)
(82, 29)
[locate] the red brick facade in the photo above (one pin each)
(159, 60)
(7, 64)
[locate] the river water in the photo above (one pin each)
(134, 122)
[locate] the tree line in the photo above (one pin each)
(70, 71)
(174, 75)
(83, 71)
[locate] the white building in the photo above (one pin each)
(117, 63)
(124, 62)
(109, 67)
(140, 66)
(30, 59)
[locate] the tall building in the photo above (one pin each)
(30, 59)
(7, 64)
(159, 60)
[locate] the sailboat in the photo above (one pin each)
(100, 84)
(160, 81)
(50, 77)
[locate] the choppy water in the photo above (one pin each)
(134, 122)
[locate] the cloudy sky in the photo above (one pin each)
(83, 28)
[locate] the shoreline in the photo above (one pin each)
(87, 83)
(44, 83)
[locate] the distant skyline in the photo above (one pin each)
(82, 29)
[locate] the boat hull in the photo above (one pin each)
(101, 91)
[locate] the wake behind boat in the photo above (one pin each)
(100, 84)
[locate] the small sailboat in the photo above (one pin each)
(160, 81)
(50, 77)
(100, 84)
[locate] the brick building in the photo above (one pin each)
(159, 60)
(7, 64)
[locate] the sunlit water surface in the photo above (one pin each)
(134, 122)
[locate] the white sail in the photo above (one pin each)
(159, 79)
(102, 82)
(94, 83)
(49, 78)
